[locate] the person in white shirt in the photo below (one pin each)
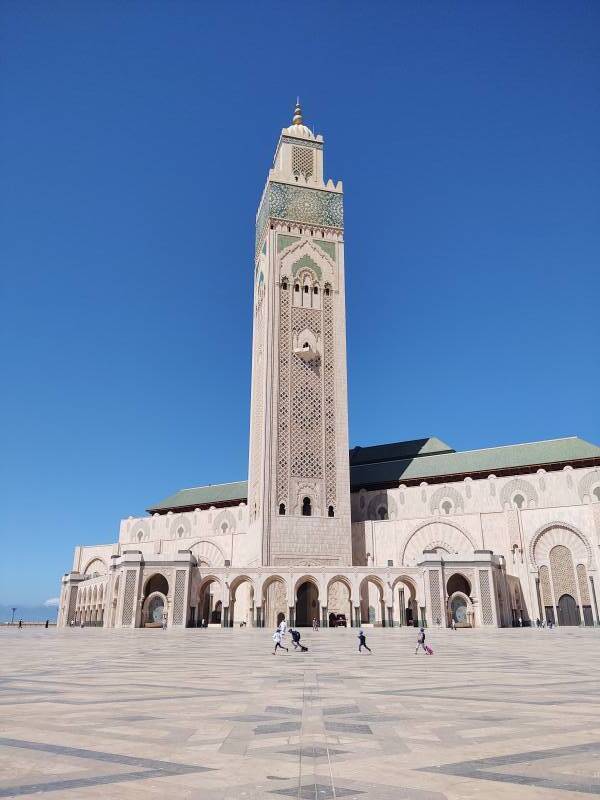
(277, 640)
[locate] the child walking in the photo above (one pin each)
(421, 643)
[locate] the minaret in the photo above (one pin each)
(299, 494)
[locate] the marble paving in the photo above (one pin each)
(212, 714)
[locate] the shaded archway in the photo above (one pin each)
(307, 602)
(406, 608)
(458, 583)
(241, 602)
(567, 610)
(372, 609)
(210, 603)
(339, 604)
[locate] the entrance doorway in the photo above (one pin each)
(307, 604)
(568, 612)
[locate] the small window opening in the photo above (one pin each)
(327, 291)
(281, 509)
(300, 230)
(284, 285)
(297, 287)
(305, 346)
(289, 229)
(519, 500)
(312, 233)
(316, 290)
(306, 290)
(306, 507)
(180, 532)
(447, 506)
(224, 527)
(330, 511)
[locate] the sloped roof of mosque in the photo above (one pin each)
(214, 494)
(490, 460)
(428, 459)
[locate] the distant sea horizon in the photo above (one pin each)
(29, 613)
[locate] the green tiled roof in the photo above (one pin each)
(204, 495)
(487, 461)
(418, 459)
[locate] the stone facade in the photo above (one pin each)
(481, 550)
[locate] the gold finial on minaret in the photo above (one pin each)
(297, 120)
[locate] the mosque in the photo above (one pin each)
(395, 534)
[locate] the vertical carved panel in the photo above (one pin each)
(487, 614)
(178, 597)
(72, 605)
(434, 591)
(283, 412)
(329, 400)
(128, 598)
(583, 585)
(563, 574)
(257, 421)
(545, 586)
(306, 406)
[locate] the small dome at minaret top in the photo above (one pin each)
(297, 128)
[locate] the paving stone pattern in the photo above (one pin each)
(212, 714)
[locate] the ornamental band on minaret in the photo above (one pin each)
(299, 494)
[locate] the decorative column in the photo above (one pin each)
(324, 619)
(402, 602)
(291, 615)
(390, 616)
(357, 616)
(594, 598)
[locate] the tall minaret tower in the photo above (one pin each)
(299, 493)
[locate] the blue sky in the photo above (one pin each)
(135, 143)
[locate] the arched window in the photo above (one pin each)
(284, 285)
(316, 290)
(140, 536)
(306, 507)
(327, 291)
(306, 289)
(519, 500)
(224, 527)
(297, 287)
(446, 506)
(281, 509)
(180, 532)
(330, 511)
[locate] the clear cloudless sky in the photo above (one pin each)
(135, 141)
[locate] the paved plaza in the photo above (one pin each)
(212, 714)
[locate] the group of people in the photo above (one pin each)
(279, 638)
(282, 629)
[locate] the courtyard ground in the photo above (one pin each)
(212, 714)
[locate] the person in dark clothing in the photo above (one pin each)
(46, 625)
(20, 623)
(296, 641)
(362, 639)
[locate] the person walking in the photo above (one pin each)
(421, 641)
(20, 623)
(283, 629)
(453, 624)
(315, 624)
(46, 625)
(362, 642)
(277, 640)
